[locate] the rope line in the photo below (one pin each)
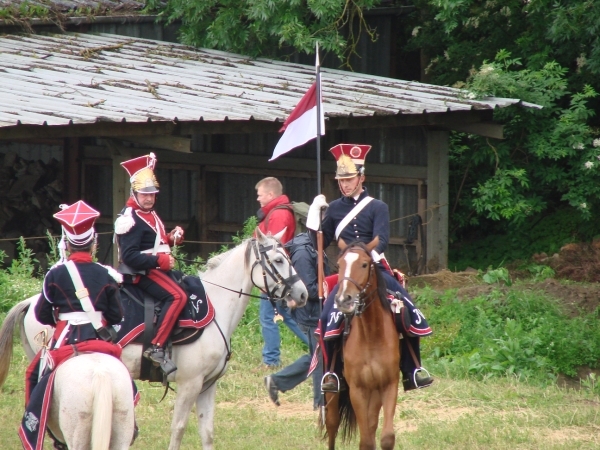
(432, 208)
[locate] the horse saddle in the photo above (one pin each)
(141, 313)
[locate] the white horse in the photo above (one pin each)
(92, 403)
(92, 400)
(228, 281)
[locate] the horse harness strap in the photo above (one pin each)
(260, 253)
(362, 295)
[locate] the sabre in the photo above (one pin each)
(42, 339)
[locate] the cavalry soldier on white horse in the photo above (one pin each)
(356, 216)
(145, 253)
(80, 299)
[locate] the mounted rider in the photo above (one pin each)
(358, 217)
(81, 300)
(145, 254)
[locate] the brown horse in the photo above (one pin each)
(371, 352)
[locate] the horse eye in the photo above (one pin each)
(279, 261)
(364, 266)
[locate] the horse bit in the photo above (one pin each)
(260, 253)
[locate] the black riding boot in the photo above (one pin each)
(159, 357)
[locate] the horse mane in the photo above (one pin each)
(217, 260)
(381, 287)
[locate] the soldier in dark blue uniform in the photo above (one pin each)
(145, 254)
(80, 299)
(358, 217)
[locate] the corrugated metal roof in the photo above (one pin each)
(29, 8)
(81, 78)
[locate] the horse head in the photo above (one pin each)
(357, 275)
(273, 267)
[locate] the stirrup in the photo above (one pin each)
(410, 384)
(168, 366)
(337, 379)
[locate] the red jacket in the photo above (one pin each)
(276, 220)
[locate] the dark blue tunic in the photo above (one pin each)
(373, 220)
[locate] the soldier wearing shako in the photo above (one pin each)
(356, 216)
(80, 299)
(145, 253)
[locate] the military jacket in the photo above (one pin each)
(373, 220)
(58, 296)
(138, 234)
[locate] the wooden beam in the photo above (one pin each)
(100, 129)
(486, 129)
(122, 129)
(248, 163)
(174, 143)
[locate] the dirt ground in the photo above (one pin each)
(578, 298)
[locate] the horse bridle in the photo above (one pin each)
(362, 296)
(260, 253)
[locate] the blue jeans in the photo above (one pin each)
(291, 376)
(270, 330)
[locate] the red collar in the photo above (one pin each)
(80, 257)
(133, 204)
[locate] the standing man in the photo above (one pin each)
(145, 254)
(80, 299)
(274, 215)
(304, 259)
(358, 217)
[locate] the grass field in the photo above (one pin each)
(452, 414)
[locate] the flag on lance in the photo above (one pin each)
(301, 126)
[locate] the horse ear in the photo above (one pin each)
(374, 243)
(279, 235)
(342, 244)
(260, 235)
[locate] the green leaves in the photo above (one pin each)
(509, 331)
(269, 27)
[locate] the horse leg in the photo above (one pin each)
(366, 405)
(332, 417)
(390, 397)
(187, 392)
(205, 409)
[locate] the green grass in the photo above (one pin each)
(455, 413)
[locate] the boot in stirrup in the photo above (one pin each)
(330, 383)
(158, 357)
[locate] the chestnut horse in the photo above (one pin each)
(371, 352)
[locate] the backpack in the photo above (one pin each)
(300, 212)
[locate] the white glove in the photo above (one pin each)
(313, 219)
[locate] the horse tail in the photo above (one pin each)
(6, 336)
(347, 416)
(102, 409)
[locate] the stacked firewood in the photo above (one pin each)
(30, 192)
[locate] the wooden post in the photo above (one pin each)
(120, 185)
(437, 200)
(72, 172)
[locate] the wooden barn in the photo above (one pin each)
(73, 106)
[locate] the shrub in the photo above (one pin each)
(507, 332)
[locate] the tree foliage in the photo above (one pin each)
(269, 27)
(545, 52)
